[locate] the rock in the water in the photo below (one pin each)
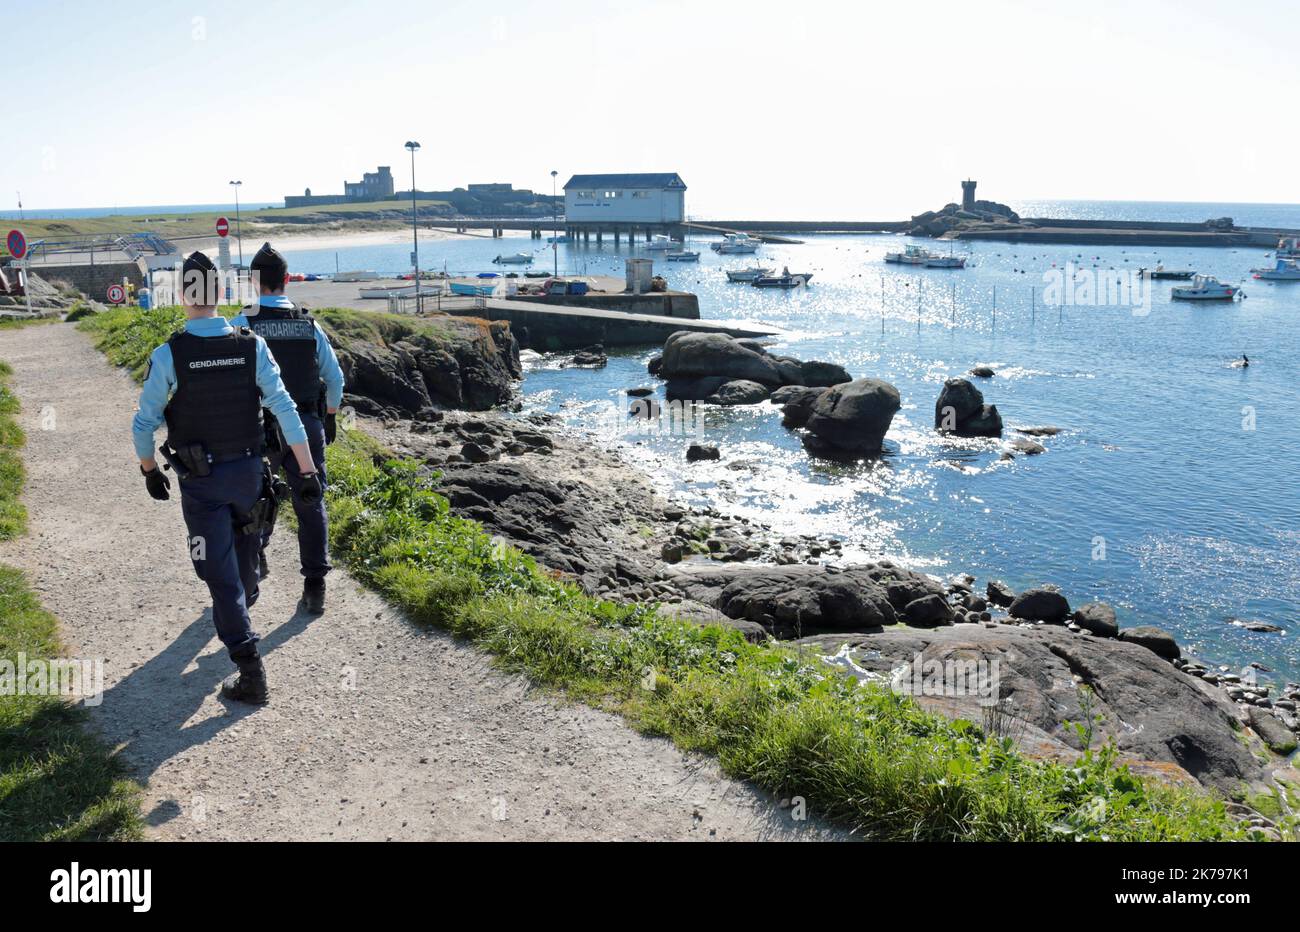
(853, 418)
(797, 403)
(1099, 618)
(654, 364)
(640, 392)
(1270, 729)
(702, 451)
(982, 372)
(1000, 593)
(823, 374)
(739, 392)
(1044, 431)
(696, 388)
(789, 599)
(1259, 627)
(1156, 640)
(689, 355)
(929, 611)
(591, 357)
(960, 409)
(1040, 605)
(1028, 447)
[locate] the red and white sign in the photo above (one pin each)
(223, 226)
(17, 244)
(116, 294)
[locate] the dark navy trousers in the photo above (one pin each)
(223, 558)
(313, 530)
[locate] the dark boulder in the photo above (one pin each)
(789, 600)
(823, 374)
(1271, 731)
(698, 452)
(1099, 618)
(739, 392)
(1040, 605)
(852, 419)
(689, 355)
(1156, 640)
(960, 409)
(982, 372)
(1000, 593)
(929, 611)
(693, 389)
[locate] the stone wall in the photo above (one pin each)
(92, 280)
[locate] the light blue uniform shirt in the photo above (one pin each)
(160, 385)
(327, 363)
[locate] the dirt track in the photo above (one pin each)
(377, 729)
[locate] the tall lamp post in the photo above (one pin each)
(414, 147)
(555, 226)
(239, 229)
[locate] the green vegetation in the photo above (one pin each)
(401, 206)
(79, 311)
(859, 755)
(57, 781)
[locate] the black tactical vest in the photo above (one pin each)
(217, 402)
(290, 333)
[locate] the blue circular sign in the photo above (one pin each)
(17, 244)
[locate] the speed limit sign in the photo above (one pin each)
(116, 294)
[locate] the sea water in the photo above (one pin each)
(1170, 492)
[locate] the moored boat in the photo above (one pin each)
(1205, 288)
(518, 258)
(748, 274)
(784, 280)
(733, 244)
(911, 255)
(660, 242)
(685, 255)
(946, 262)
(1160, 273)
(1286, 270)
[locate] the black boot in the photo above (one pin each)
(263, 568)
(249, 684)
(313, 597)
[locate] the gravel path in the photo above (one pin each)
(376, 729)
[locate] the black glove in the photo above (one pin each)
(309, 489)
(331, 428)
(156, 483)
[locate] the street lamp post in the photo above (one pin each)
(239, 228)
(415, 230)
(555, 226)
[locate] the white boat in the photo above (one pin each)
(784, 280)
(366, 276)
(519, 258)
(1286, 270)
(1205, 288)
(380, 292)
(478, 289)
(685, 255)
(660, 242)
(946, 262)
(733, 244)
(912, 255)
(749, 274)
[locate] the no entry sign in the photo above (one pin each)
(223, 226)
(116, 294)
(17, 244)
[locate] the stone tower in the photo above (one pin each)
(968, 195)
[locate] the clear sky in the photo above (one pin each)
(804, 109)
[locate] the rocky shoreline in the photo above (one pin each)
(580, 510)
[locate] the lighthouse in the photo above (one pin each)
(968, 195)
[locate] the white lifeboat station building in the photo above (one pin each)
(624, 205)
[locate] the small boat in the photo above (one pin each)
(483, 288)
(660, 242)
(558, 239)
(684, 255)
(380, 292)
(911, 255)
(366, 276)
(749, 274)
(1288, 247)
(1160, 273)
(519, 258)
(1205, 288)
(1286, 270)
(733, 244)
(946, 262)
(784, 280)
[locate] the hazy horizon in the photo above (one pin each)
(821, 111)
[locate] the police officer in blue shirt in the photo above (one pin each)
(209, 382)
(311, 373)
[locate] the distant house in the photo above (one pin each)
(373, 186)
(625, 199)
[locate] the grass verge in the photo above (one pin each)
(859, 755)
(57, 781)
